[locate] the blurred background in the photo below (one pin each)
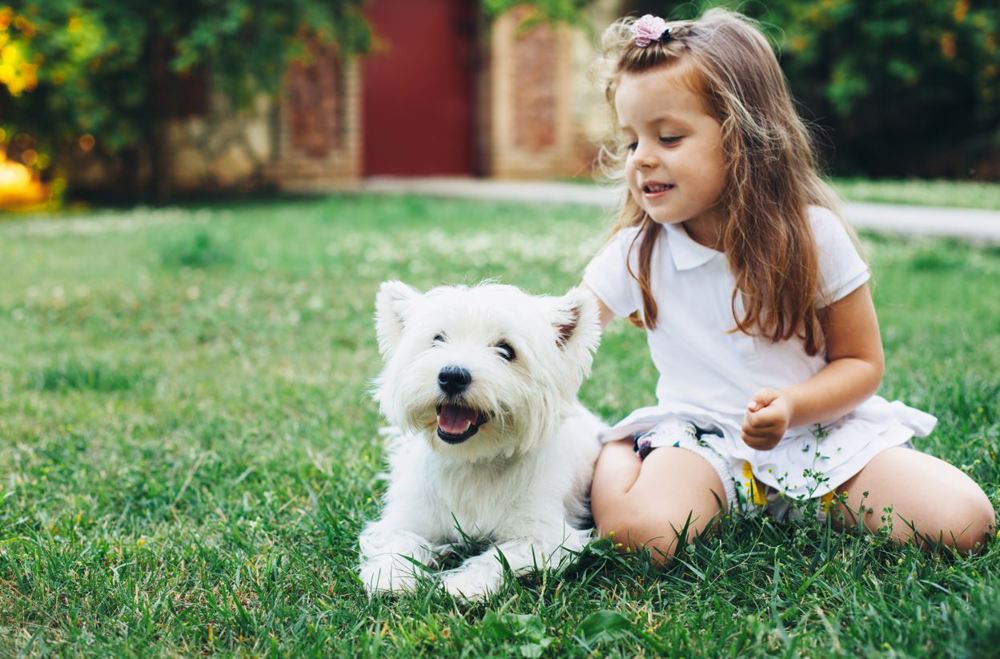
(128, 101)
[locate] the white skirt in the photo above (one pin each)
(809, 461)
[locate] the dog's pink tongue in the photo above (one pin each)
(455, 420)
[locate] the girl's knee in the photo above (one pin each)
(962, 519)
(619, 517)
(633, 533)
(609, 517)
(969, 521)
(674, 494)
(634, 529)
(948, 509)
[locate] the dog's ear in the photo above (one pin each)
(577, 323)
(392, 305)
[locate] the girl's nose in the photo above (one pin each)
(644, 160)
(643, 157)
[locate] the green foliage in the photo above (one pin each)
(901, 87)
(93, 70)
(564, 11)
(602, 626)
(518, 635)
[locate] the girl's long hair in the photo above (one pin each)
(771, 171)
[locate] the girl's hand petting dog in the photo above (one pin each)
(766, 420)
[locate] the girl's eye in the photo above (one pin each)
(438, 338)
(632, 146)
(670, 139)
(506, 351)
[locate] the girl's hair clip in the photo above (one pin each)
(650, 29)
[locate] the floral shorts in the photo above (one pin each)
(744, 493)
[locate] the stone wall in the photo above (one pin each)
(224, 150)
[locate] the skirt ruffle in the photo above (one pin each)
(809, 461)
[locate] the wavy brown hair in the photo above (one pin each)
(771, 170)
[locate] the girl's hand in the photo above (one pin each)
(766, 420)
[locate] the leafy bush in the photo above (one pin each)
(80, 75)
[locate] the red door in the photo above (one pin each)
(418, 88)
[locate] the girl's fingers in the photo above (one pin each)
(762, 399)
(763, 419)
(767, 418)
(762, 426)
(759, 443)
(765, 433)
(759, 433)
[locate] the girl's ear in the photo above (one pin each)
(392, 307)
(578, 326)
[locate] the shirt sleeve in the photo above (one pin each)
(842, 270)
(607, 275)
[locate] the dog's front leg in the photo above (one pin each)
(391, 557)
(483, 574)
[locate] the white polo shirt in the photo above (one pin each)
(708, 372)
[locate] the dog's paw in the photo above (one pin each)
(470, 584)
(383, 576)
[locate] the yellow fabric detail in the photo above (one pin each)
(753, 486)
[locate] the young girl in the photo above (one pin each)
(730, 253)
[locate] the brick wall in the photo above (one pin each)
(319, 143)
(530, 91)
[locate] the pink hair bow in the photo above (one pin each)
(649, 29)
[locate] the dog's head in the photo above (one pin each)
(484, 371)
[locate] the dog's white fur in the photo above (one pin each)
(522, 480)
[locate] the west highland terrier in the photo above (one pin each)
(488, 440)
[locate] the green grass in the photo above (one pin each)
(188, 449)
(948, 194)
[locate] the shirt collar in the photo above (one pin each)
(685, 251)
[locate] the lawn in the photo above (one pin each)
(188, 449)
(941, 193)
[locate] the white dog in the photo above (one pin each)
(489, 441)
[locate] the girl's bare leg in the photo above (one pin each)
(647, 503)
(941, 503)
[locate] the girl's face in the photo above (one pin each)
(675, 168)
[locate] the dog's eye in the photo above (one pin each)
(438, 338)
(506, 351)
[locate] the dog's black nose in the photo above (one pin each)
(453, 380)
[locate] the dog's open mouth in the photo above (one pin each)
(457, 423)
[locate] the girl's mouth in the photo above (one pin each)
(656, 188)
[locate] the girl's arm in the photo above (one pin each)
(606, 314)
(853, 373)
